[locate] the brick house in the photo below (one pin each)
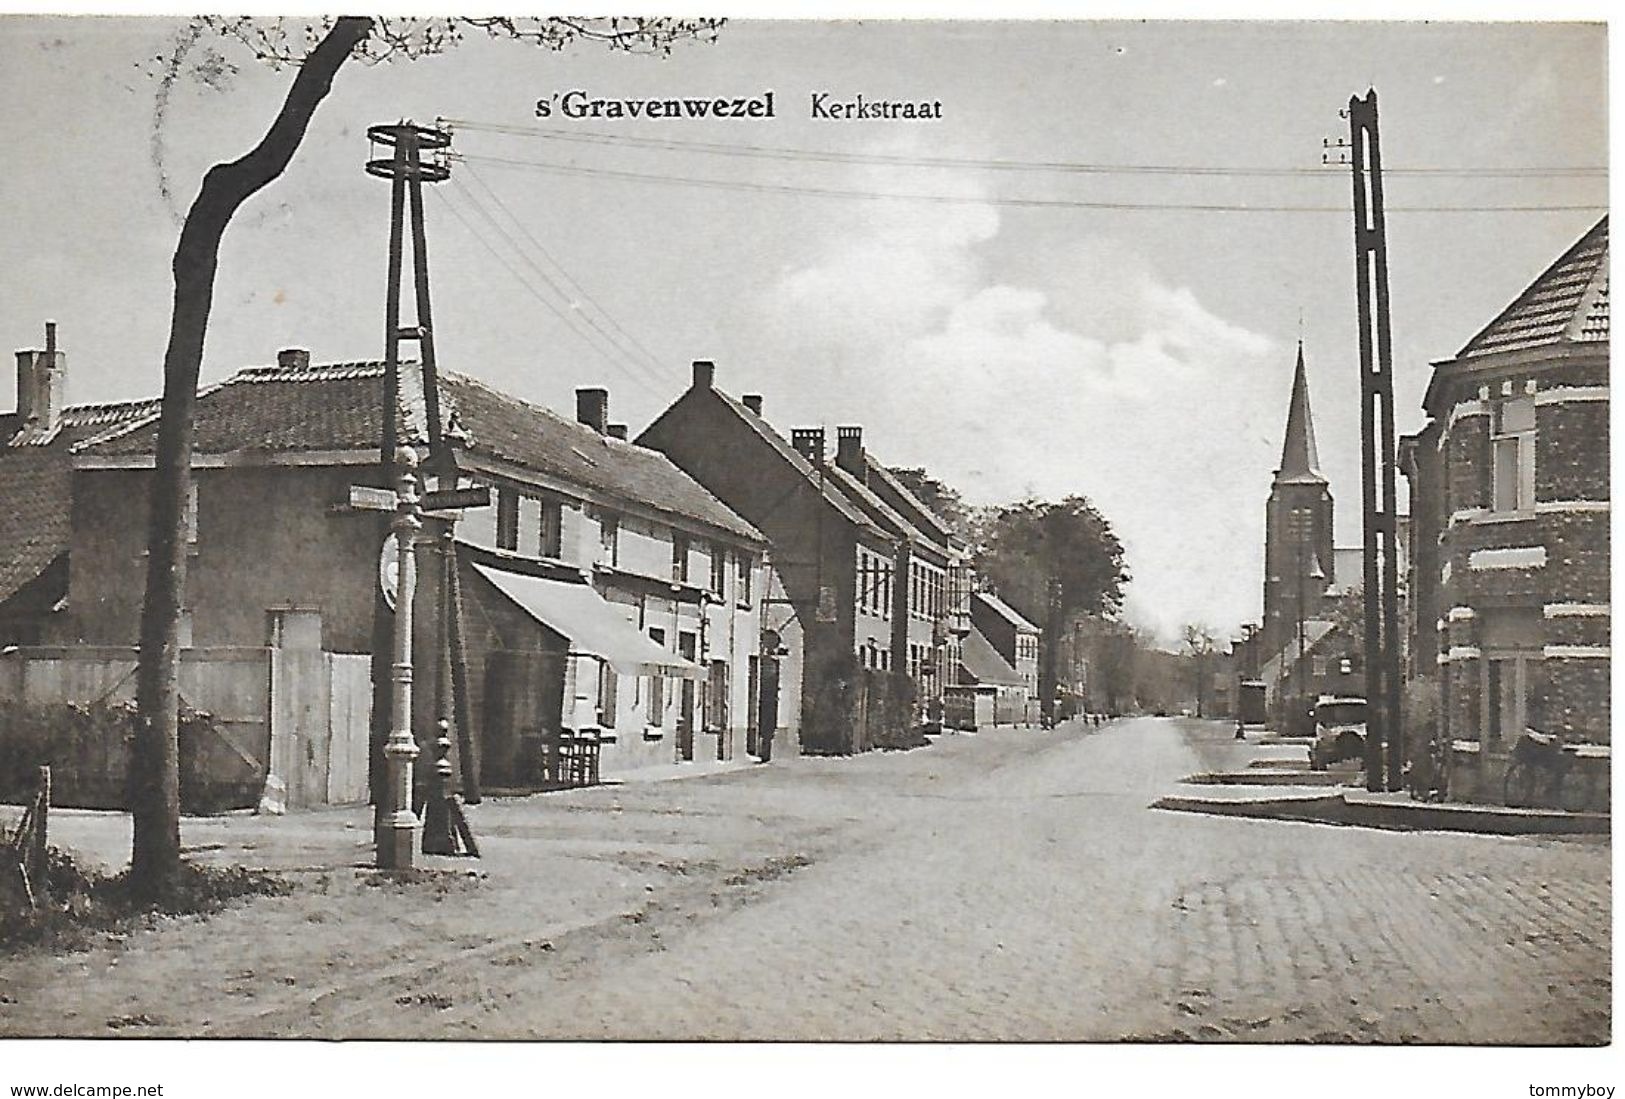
(863, 573)
(1512, 475)
(604, 587)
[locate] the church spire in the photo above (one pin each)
(1299, 459)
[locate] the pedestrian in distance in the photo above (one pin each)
(1241, 729)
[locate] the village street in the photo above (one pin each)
(1011, 885)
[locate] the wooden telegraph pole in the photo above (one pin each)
(394, 746)
(1377, 465)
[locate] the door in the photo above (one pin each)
(716, 709)
(767, 708)
(686, 648)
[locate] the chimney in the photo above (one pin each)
(293, 358)
(849, 450)
(42, 383)
(809, 443)
(617, 431)
(705, 372)
(592, 409)
(753, 401)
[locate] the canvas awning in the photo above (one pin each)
(593, 627)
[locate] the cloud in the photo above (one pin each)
(1091, 375)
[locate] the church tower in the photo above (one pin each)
(1298, 559)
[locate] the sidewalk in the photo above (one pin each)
(1259, 781)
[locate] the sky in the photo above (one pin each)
(1079, 343)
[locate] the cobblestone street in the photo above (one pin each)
(1012, 885)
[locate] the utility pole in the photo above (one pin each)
(394, 746)
(1377, 464)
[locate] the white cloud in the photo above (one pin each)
(1101, 378)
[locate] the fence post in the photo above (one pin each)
(38, 875)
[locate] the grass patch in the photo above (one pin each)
(84, 902)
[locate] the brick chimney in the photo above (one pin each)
(752, 401)
(293, 358)
(809, 443)
(849, 450)
(42, 380)
(592, 409)
(617, 431)
(705, 373)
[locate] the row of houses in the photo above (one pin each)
(1504, 556)
(711, 590)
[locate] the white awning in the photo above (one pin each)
(593, 627)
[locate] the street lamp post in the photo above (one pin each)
(396, 838)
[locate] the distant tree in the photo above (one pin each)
(1052, 561)
(318, 50)
(1199, 644)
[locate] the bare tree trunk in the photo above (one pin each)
(154, 763)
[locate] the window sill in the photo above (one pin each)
(1492, 517)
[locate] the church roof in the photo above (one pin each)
(1300, 461)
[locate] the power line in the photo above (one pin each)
(529, 288)
(649, 372)
(580, 290)
(780, 152)
(994, 200)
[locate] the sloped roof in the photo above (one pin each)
(984, 663)
(904, 499)
(1314, 631)
(1004, 611)
(781, 446)
(335, 407)
(1568, 303)
(36, 474)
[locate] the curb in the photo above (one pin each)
(1406, 817)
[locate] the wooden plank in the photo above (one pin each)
(349, 718)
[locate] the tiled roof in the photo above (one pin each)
(35, 483)
(1004, 611)
(1568, 303)
(921, 516)
(985, 663)
(335, 407)
(540, 439)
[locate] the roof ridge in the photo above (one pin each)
(118, 431)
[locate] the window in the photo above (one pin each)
(507, 519)
(679, 558)
(744, 567)
(719, 571)
(609, 537)
(1512, 672)
(191, 514)
(608, 690)
(657, 683)
(550, 533)
(1512, 441)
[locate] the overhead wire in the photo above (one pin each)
(650, 371)
(781, 152)
(993, 200)
(526, 284)
(574, 284)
